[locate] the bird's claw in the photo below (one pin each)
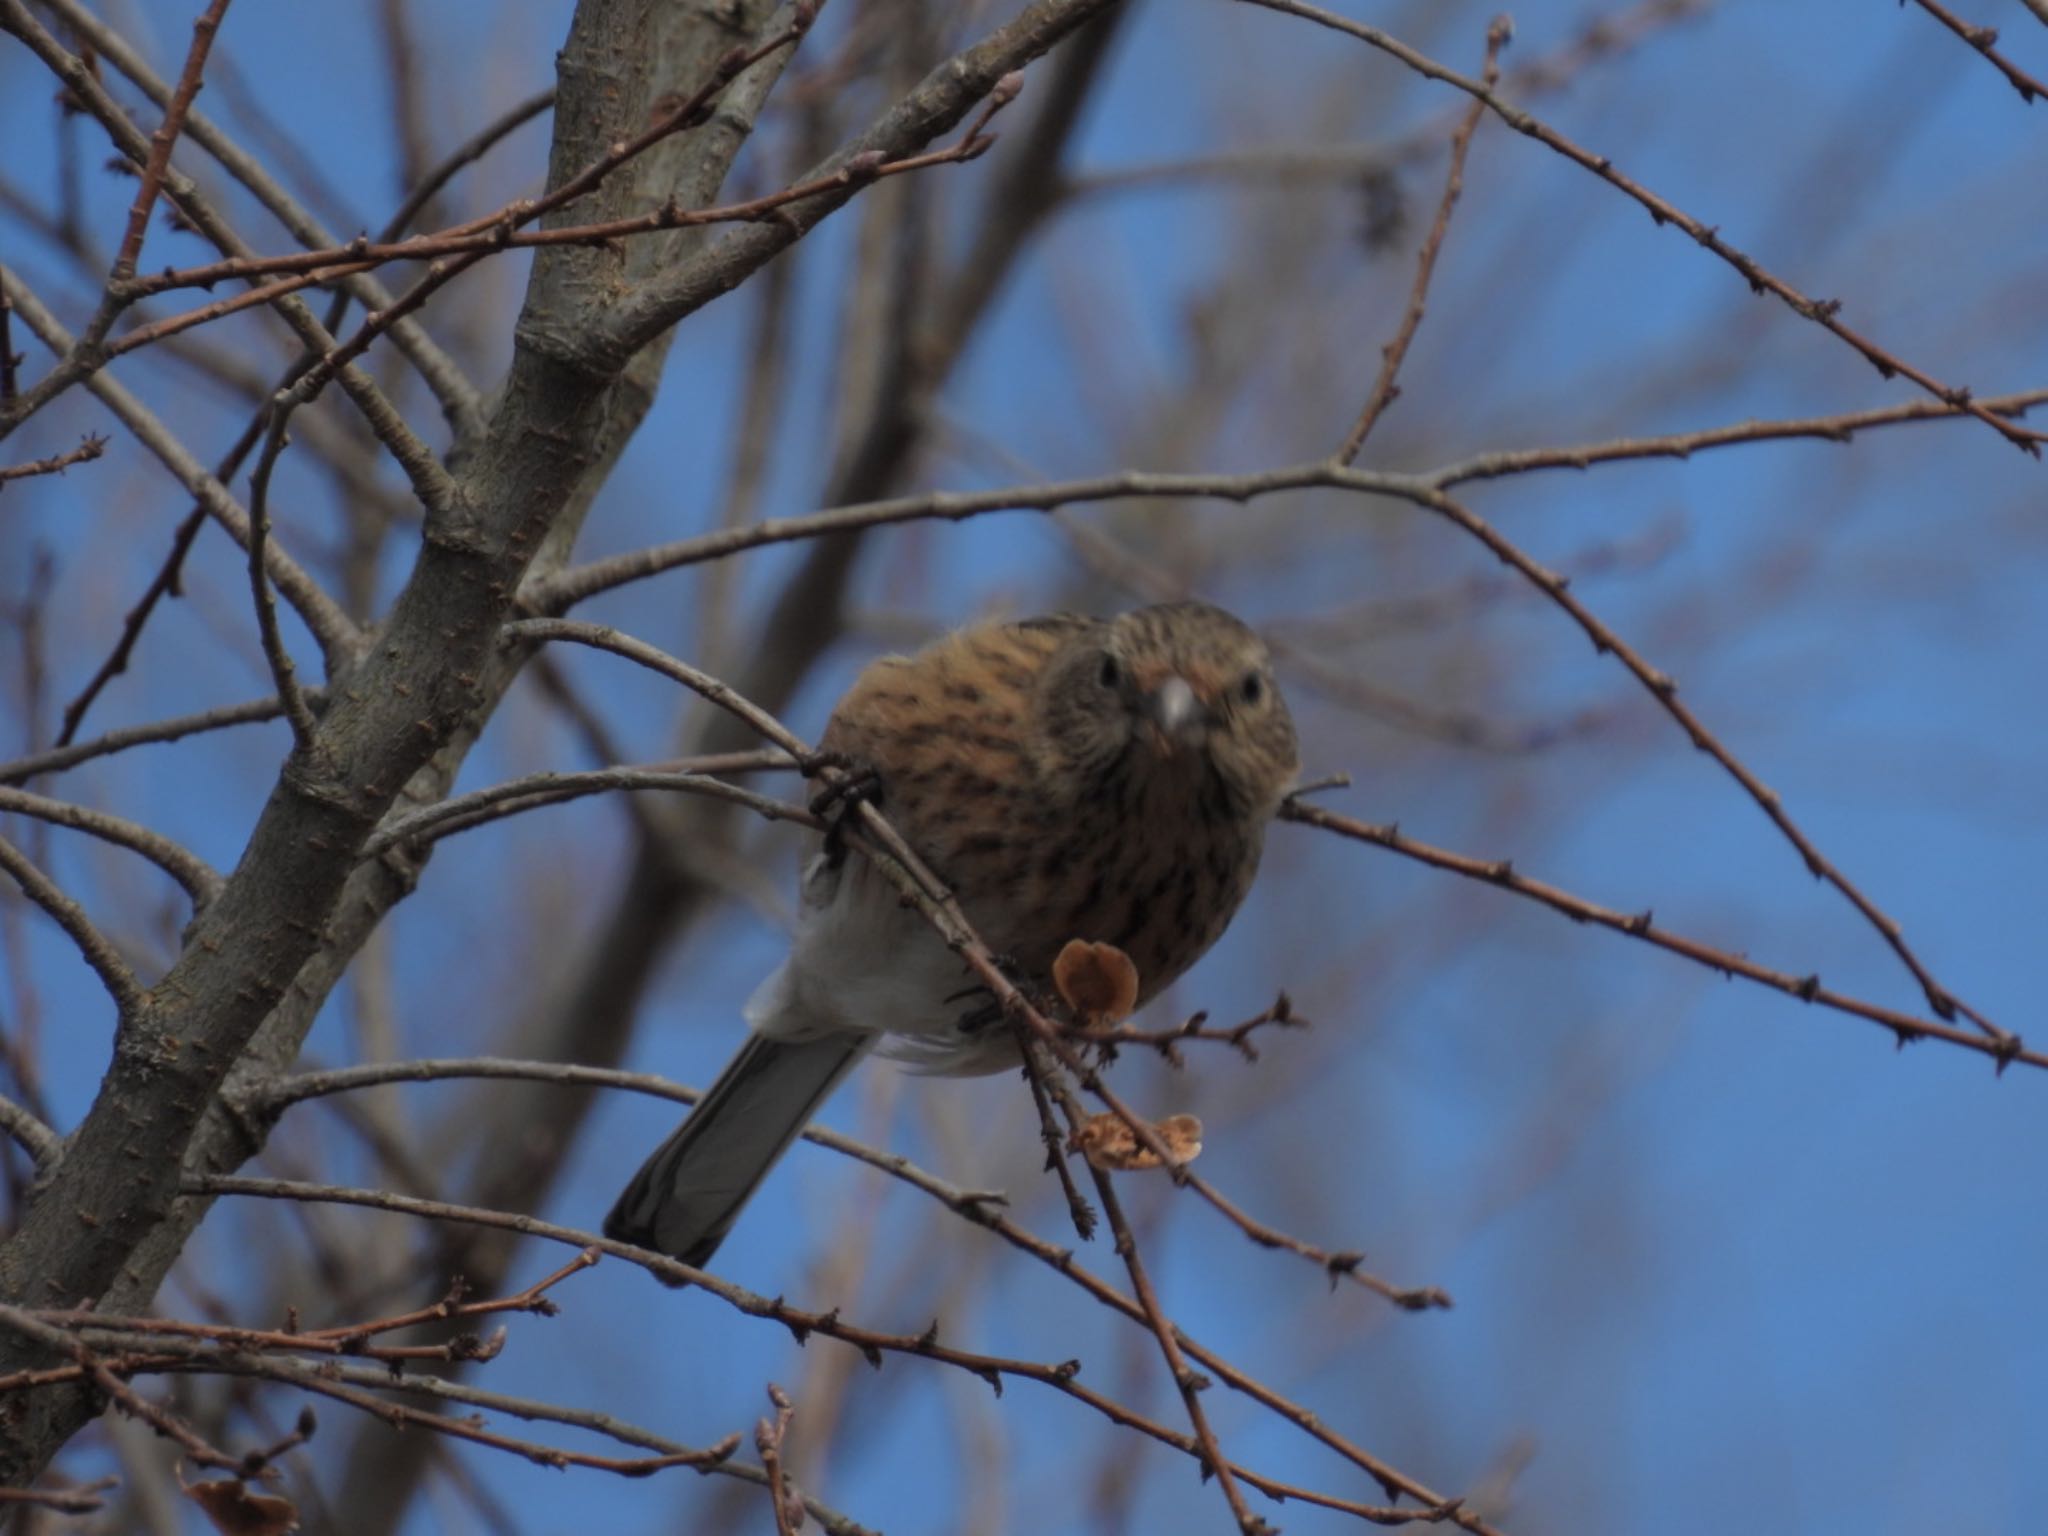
(840, 798)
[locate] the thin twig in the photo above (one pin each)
(83, 1500)
(516, 796)
(423, 470)
(1167, 1041)
(166, 135)
(983, 1208)
(57, 463)
(1839, 428)
(492, 231)
(1079, 1211)
(1664, 689)
(361, 1386)
(769, 1436)
(873, 1345)
(1190, 1384)
(1825, 313)
(457, 397)
(282, 670)
(194, 1445)
(57, 759)
(167, 582)
(1905, 1027)
(201, 882)
(101, 955)
(35, 1138)
(605, 638)
(1985, 41)
(351, 1339)
(452, 254)
(564, 589)
(335, 631)
(468, 152)
(1606, 35)
(1386, 387)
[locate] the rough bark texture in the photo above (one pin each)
(259, 962)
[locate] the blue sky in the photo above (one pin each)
(1720, 1261)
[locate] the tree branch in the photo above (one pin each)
(198, 877)
(105, 960)
(1822, 313)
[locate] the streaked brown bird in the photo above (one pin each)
(1069, 778)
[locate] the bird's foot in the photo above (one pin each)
(840, 798)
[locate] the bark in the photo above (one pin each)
(254, 969)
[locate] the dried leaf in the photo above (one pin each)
(1097, 981)
(235, 1511)
(1108, 1143)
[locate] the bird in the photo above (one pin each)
(1067, 777)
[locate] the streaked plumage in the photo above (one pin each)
(1068, 778)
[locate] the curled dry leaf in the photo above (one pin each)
(1097, 981)
(235, 1511)
(1111, 1145)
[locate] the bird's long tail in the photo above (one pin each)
(686, 1197)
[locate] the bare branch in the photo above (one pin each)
(163, 1421)
(1664, 690)
(451, 388)
(57, 759)
(981, 1207)
(455, 252)
(604, 638)
(165, 583)
(57, 463)
(1641, 925)
(803, 1323)
(1385, 388)
(467, 153)
(82, 1500)
(86, 360)
(35, 1138)
(337, 635)
(1823, 313)
(1985, 41)
(1167, 1042)
(559, 592)
(198, 877)
(769, 1435)
(166, 135)
(516, 796)
(1839, 428)
(282, 672)
(105, 960)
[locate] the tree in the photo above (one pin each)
(917, 268)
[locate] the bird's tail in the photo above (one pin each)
(686, 1197)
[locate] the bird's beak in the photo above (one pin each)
(1177, 713)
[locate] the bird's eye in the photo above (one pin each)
(1111, 673)
(1252, 689)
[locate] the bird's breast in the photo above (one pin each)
(1155, 864)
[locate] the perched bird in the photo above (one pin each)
(1068, 778)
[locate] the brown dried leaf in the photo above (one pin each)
(1109, 1144)
(1097, 981)
(235, 1511)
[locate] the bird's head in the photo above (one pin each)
(1178, 689)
